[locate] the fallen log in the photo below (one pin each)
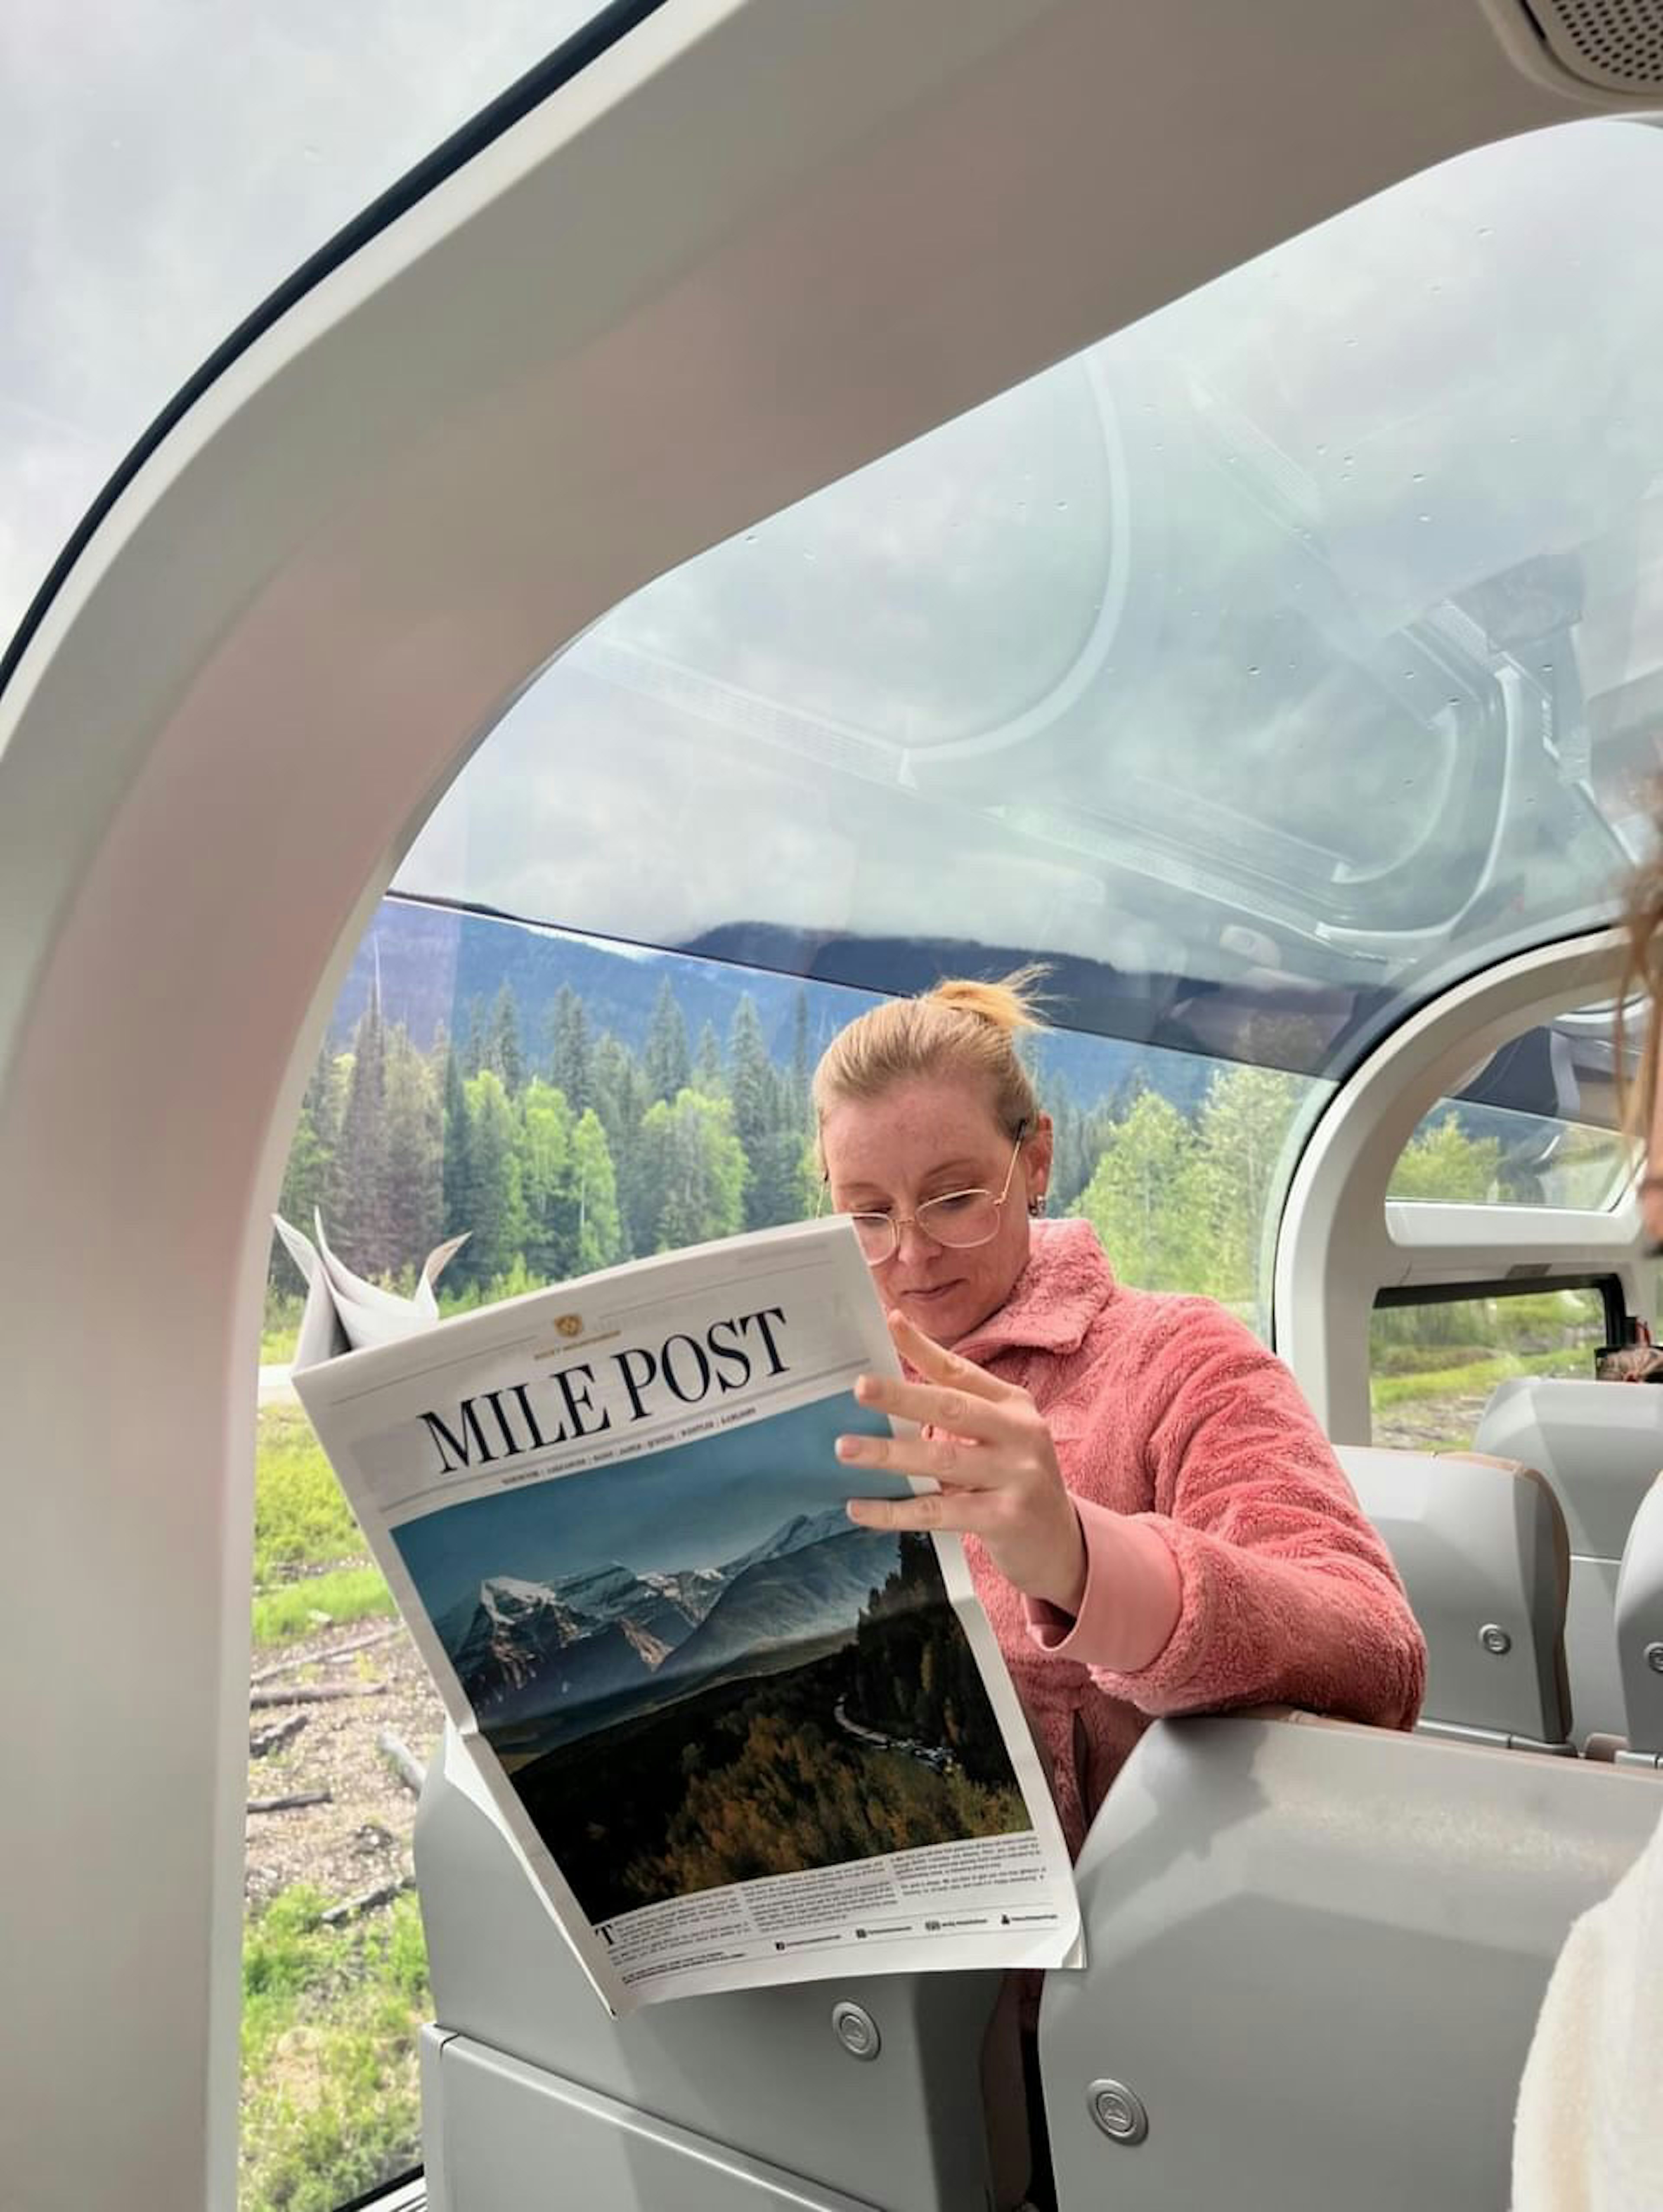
(325, 1658)
(403, 1760)
(291, 1803)
(314, 1693)
(369, 1900)
(262, 1745)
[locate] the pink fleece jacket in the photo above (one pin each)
(1166, 1410)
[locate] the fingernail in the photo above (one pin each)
(847, 1448)
(863, 1388)
(855, 1508)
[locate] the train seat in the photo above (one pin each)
(1316, 1954)
(1599, 1445)
(1481, 1545)
(1639, 1609)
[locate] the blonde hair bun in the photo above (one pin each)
(961, 1028)
(1011, 1004)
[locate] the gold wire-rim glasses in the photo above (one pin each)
(885, 1228)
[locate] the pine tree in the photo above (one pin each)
(688, 1183)
(474, 1049)
(307, 1175)
(356, 1216)
(570, 1053)
(497, 1205)
(620, 1100)
(503, 1050)
(667, 1063)
(708, 1067)
(457, 1176)
(801, 1073)
(1147, 1199)
(548, 1183)
(414, 1196)
(1244, 1124)
(600, 1230)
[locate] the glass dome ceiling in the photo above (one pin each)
(1276, 661)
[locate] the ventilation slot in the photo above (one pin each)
(1616, 45)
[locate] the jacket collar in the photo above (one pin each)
(1060, 1293)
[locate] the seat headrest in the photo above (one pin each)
(1640, 1625)
(1482, 1547)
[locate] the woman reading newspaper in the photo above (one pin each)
(1153, 1519)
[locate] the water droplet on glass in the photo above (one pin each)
(1424, 518)
(1322, 449)
(1419, 477)
(1547, 668)
(1485, 230)
(750, 538)
(1253, 671)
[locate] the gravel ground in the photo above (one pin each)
(362, 1838)
(1433, 1421)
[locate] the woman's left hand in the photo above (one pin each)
(993, 1454)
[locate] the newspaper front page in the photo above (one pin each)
(736, 1739)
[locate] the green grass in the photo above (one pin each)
(301, 1517)
(330, 2104)
(1475, 1377)
(286, 1613)
(281, 1327)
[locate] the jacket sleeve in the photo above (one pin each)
(1285, 1596)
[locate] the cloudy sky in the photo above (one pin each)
(164, 164)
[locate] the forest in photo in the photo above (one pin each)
(886, 1743)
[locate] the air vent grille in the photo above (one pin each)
(1615, 44)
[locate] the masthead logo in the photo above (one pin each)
(569, 1324)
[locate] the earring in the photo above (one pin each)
(1036, 1204)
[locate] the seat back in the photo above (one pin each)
(1640, 1629)
(1599, 1445)
(531, 2092)
(1317, 1952)
(1482, 1549)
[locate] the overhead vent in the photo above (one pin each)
(1614, 44)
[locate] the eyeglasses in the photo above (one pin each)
(959, 1219)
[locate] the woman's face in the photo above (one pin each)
(923, 1139)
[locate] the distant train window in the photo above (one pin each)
(1538, 1125)
(1433, 1365)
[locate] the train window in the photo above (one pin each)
(167, 169)
(1434, 1363)
(570, 1102)
(1538, 1125)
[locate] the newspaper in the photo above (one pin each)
(736, 1738)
